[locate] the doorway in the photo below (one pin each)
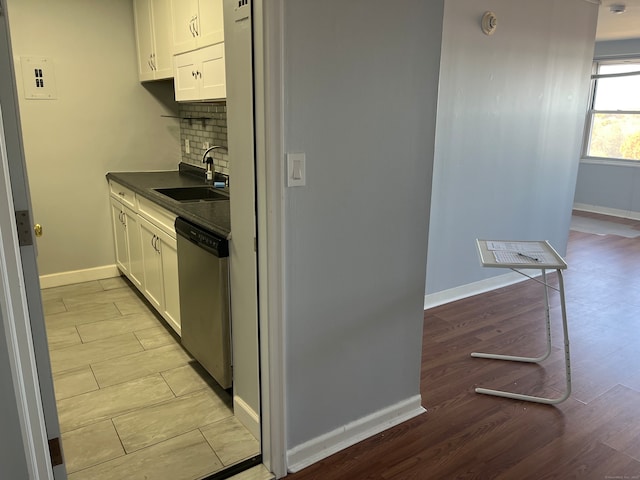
(106, 286)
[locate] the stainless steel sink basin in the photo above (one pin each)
(193, 194)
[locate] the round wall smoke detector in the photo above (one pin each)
(489, 23)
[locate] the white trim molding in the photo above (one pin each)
(614, 212)
(246, 416)
(471, 289)
(332, 442)
(78, 276)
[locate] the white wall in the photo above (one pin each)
(103, 120)
(509, 129)
(360, 89)
(605, 186)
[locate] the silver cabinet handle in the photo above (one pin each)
(196, 26)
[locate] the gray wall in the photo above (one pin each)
(360, 93)
(101, 121)
(509, 127)
(610, 187)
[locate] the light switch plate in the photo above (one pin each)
(296, 170)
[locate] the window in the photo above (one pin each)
(614, 116)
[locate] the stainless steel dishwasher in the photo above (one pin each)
(203, 276)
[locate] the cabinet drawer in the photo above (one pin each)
(157, 215)
(122, 193)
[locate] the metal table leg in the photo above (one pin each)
(530, 398)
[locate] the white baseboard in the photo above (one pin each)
(614, 212)
(332, 442)
(246, 416)
(78, 276)
(475, 288)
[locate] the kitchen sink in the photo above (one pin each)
(193, 194)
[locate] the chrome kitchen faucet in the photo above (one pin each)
(211, 169)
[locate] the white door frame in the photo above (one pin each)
(15, 315)
(268, 95)
(13, 296)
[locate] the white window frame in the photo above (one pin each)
(591, 112)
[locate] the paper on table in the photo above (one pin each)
(520, 252)
(512, 257)
(516, 247)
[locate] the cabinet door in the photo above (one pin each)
(186, 79)
(119, 236)
(213, 73)
(151, 263)
(211, 23)
(184, 15)
(169, 256)
(144, 38)
(136, 270)
(163, 48)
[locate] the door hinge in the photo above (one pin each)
(55, 450)
(24, 228)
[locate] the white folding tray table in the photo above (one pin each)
(517, 256)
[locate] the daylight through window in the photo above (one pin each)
(614, 117)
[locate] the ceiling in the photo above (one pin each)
(618, 26)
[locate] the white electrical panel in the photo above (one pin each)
(38, 78)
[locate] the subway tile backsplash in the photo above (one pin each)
(208, 124)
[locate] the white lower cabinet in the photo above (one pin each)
(169, 255)
(127, 241)
(152, 263)
(160, 260)
(136, 268)
(120, 236)
(146, 251)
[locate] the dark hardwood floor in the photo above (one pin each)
(595, 434)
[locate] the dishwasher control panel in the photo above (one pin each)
(210, 241)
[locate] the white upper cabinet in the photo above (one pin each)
(200, 74)
(153, 38)
(196, 24)
(211, 24)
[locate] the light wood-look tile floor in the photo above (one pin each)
(131, 402)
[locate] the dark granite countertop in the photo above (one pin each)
(213, 216)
